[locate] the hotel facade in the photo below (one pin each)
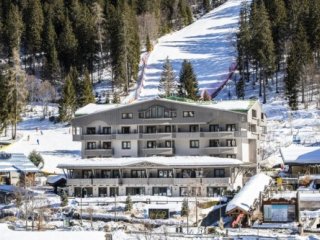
(226, 134)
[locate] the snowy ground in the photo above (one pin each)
(209, 43)
(55, 142)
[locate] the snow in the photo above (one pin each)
(7, 234)
(167, 161)
(228, 105)
(52, 179)
(296, 154)
(208, 43)
(17, 162)
(55, 142)
(249, 193)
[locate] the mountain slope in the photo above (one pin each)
(209, 43)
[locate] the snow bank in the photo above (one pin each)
(298, 154)
(249, 193)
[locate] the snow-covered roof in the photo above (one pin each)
(229, 105)
(185, 161)
(16, 162)
(245, 199)
(52, 179)
(300, 155)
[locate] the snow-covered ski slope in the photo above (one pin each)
(209, 43)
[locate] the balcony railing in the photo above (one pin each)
(99, 151)
(220, 150)
(217, 181)
(156, 151)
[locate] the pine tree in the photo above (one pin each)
(4, 96)
(188, 86)
(167, 84)
(86, 90)
(13, 30)
(67, 46)
(34, 27)
(240, 88)
(68, 102)
(206, 6)
(149, 46)
(189, 15)
(51, 69)
(206, 96)
(185, 208)
(63, 198)
(129, 204)
(116, 98)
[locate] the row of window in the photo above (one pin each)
(165, 144)
(153, 129)
(156, 191)
(141, 173)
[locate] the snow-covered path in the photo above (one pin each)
(209, 43)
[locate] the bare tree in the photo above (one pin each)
(46, 94)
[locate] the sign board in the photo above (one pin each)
(279, 213)
(158, 213)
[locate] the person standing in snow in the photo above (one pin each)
(28, 138)
(38, 142)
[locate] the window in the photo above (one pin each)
(231, 143)
(151, 144)
(106, 145)
(253, 128)
(105, 173)
(188, 114)
(262, 116)
(193, 128)
(214, 128)
(167, 144)
(138, 173)
(219, 173)
(231, 127)
(106, 130)
(167, 129)
(183, 191)
(91, 130)
(161, 191)
(127, 115)
(157, 112)
(194, 143)
(114, 191)
(103, 192)
(254, 113)
(126, 145)
(151, 129)
(215, 191)
(87, 174)
(166, 173)
(91, 145)
(125, 130)
(231, 156)
(214, 143)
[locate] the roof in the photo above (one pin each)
(52, 179)
(16, 162)
(230, 105)
(245, 199)
(185, 161)
(300, 155)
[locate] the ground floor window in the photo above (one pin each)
(114, 191)
(161, 191)
(103, 192)
(195, 191)
(135, 191)
(83, 191)
(215, 191)
(183, 191)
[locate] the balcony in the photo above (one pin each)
(96, 137)
(221, 182)
(158, 151)
(154, 136)
(79, 181)
(219, 150)
(76, 138)
(134, 181)
(105, 181)
(99, 152)
(187, 181)
(161, 181)
(125, 136)
(187, 134)
(223, 134)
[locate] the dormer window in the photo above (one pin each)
(127, 115)
(157, 112)
(188, 114)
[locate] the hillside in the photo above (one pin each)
(209, 43)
